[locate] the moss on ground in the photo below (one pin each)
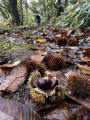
(16, 52)
(21, 50)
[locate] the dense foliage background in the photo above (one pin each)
(72, 13)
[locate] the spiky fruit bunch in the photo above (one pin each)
(79, 85)
(33, 65)
(60, 90)
(46, 94)
(54, 62)
(72, 41)
(34, 77)
(38, 95)
(57, 95)
(43, 97)
(62, 41)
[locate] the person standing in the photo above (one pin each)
(38, 19)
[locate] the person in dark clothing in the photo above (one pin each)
(38, 19)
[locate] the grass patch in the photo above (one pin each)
(5, 44)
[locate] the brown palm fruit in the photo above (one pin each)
(33, 65)
(34, 77)
(79, 85)
(54, 62)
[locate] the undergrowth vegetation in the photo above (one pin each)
(74, 13)
(77, 15)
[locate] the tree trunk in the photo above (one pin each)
(21, 9)
(48, 16)
(14, 12)
(44, 8)
(66, 1)
(26, 5)
(59, 8)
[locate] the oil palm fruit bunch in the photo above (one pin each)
(78, 84)
(45, 90)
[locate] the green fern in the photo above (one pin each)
(78, 14)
